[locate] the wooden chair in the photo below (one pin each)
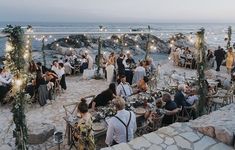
(89, 99)
(186, 113)
(156, 124)
(76, 69)
(188, 62)
(57, 87)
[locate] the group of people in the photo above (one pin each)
(123, 125)
(181, 55)
(5, 83)
(42, 86)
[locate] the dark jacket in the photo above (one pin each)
(219, 54)
(180, 99)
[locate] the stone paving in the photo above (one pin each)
(52, 113)
(178, 136)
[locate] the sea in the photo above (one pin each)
(215, 33)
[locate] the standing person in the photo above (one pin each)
(120, 65)
(210, 58)
(124, 89)
(229, 60)
(109, 71)
(90, 60)
(84, 64)
(139, 73)
(129, 62)
(122, 126)
(219, 57)
(84, 137)
(68, 67)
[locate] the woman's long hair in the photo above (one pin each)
(112, 87)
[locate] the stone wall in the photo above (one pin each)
(219, 124)
(208, 132)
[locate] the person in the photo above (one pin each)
(179, 97)
(90, 60)
(120, 65)
(84, 137)
(61, 75)
(112, 59)
(219, 57)
(192, 98)
(142, 85)
(40, 67)
(122, 126)
(68, 67)
(84, 64)
(229, 59)
(55, 67)
(41, 88)
(124, 89)
(210, 58)
(4, 85)
(170, 109)
(109, 71)
(129, 62)
(139, 73)
(104, 97)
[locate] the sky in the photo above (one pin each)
(206, 11)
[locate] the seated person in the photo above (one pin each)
(192, 98)
(142, 84)
(171, 109)
(104, 97)
(124, 89)
(84, 138)
(122, 126)
(180, 98)
(4, 85)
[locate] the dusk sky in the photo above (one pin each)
(218, 11)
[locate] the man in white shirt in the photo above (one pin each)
(122, 126)
(124, 89)
(139, 73)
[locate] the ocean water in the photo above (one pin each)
(215, 32)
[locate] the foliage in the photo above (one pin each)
(16, 63)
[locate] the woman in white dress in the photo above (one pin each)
(110, 72)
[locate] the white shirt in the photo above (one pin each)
(117, 131)
(55, 69)
(191, 99)
(124, 90)
(67, 64)
(60, 72)
(4, 81)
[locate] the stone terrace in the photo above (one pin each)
(220, 125)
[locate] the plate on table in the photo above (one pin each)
(140, 111)
(98, 126)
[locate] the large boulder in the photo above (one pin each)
(39, 133)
